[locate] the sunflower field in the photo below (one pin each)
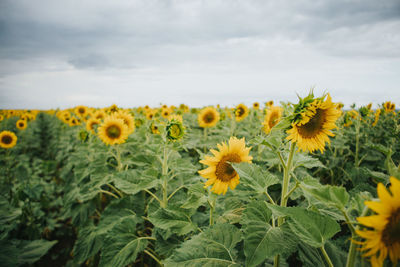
(295, 184)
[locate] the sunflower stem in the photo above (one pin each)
(356, 161)
(165, 176)
(328, 260)
(351, 256)
(211, 201)
(285, 186)
(205, 134)
(118, 158)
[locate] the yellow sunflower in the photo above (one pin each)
(384, 237)
(128, 119)
(241, 112)
(166, 112)
(389, 107)
(113, 131)
(208, 117)
(220, 173)
(154, 129)
(269, 103)
(1, 117)
(377, 114)
(90, 124)
(81, 111)
(150, 113)
(74, 121)
(272, 118)
(99, 114)
(21, 124)
(8, 139)
(317, 118)
(256, 105)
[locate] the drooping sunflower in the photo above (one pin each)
(21, 124)
(113, 131)
(128, 119)
(312, 123)
(208, 117)
(382, 239)
(389, 107)
(241, 112)
(220, 173)
(273, 116)
(91, 124)
(8, 139)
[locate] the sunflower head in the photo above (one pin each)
(369, 106)
(377, 114)
(92, 124)
(99, 114)
(166, 112)
(1, 117)
(269, 103)
(364, 112)
(154, 128)
(241, 112)
(312, 122)
(7, 139)
(389, 107)
(138, 122)
(150, 114)
(113, 108)
(74, 121)
(175, 129)
(273, 116)
(21, 124)
(220, 172)
(208, 117)
(113, 131)
(128, 119)
(256, 105)
(81, 111)
(382, 235)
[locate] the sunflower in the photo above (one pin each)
(74, 121)
(113, 131)
(208, 117)
(90, 124)
(272, 118)
(384, 237)
(389, 107)
(113, 108)
(256, 105)
(269, 103)
(241, 112)
(21, 124)
(377, 114)
(81, 111)
(99, 114)
(220, 173)
(8, 139)
(150, 114)
(175, 129)
(166, 112)
(128, 119)
(154, 129)
(1, 117)
(312, 122)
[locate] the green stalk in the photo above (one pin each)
(356, 160)
(118, 158)
(328, 260)
(211, 202)
(165, 176)
(205, 135)
(285, 186)
(351, 256)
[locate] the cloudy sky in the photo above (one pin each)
(64, 53)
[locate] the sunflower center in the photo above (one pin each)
(6, 139)
(21, 124)
(209, 117)
(224, 171)
(240, 112)
(113, 131)
(81, 110)
(391, 233)
(314, 126)
(175, 130)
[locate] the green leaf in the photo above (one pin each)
(261, 240)
(174, 219)
(122, 245)
(212, 248)
(255, 177)
(312, 257)
(306, 161)
(333, 196)
(134, 181)
(311, 227)
(196, 197)
(19, 252)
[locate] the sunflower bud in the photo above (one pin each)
(175, 130)
(83, 135)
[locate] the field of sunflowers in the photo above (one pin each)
(310, 183)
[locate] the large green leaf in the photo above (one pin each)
(329, 195)
(261, 240)
(311, 227)
(134, 181)
(174, 219)
(306, 161)
(212, 248)
(122, 245)
(255, 177)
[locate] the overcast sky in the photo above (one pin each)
(64, 53)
